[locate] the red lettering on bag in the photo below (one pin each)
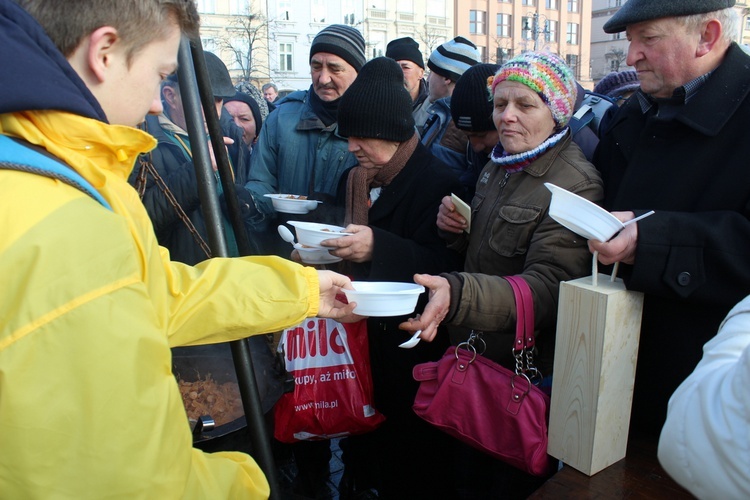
(316, 341)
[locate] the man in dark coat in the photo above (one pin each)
(679, 146)
(173, 162)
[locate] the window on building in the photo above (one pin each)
(526, 28)
(504, 24)
(482, 53)
(347, 7)
(504, 1)
(551, 34)
(572, 34)
(551, 4)
(530, 3)
(572, 5)
(206, 6)
(318, 11)
(377, 41)
(237, 60)
(572, 61)
(405, 6)
(209, 45)
(503, 55)
(285, 10)
(477, 22)
(239, 7)
(436, 8)
(747, 23)
(285, 57)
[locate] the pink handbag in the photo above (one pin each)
(486, 405)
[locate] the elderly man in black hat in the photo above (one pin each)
(679, 146)
(173, 163)
(298, 151)
(405, 51)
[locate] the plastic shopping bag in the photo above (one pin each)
(332, 396)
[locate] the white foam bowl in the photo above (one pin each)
(310, 234)
(315, 255)
(384, 298)
(581, 216)
(292, 203)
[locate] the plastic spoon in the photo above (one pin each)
(627, 223)
(286, 234)
(414, 340)
(636, 219)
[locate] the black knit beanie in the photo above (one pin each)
(252, 104)
(405, 49)
(377, 105)
(343, 41)
(471, 105)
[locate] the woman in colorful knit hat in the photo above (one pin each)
(511, 233)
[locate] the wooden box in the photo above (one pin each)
(596, 350)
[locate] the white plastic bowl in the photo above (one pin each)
(315, 255)
(292, 203)
(383, 298)
(310, 234)
(581, 216)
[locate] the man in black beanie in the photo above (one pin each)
(471, 113)
(405, 51)
(298, 151)
(679, 146)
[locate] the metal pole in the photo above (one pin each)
(193, 70)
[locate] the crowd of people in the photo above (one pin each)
(109, 271)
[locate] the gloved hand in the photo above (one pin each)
(248, 209)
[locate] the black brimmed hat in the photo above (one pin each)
(638, 11)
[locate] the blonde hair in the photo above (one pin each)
(138, 22)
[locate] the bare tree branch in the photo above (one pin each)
(246, 34)
(430, 37)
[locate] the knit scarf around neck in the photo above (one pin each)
(513, 163)
(361, 180)
(325, 110)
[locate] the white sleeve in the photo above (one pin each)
(705, 442)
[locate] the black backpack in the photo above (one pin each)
(590, 112)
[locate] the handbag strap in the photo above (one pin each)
(524, 313)
(523, 348)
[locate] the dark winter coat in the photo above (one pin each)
(691, 260)
(406, 241)
(175, 166)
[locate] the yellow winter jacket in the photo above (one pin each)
(89, 308)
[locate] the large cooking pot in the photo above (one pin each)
(191, 363)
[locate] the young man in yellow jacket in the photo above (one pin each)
(89, 303)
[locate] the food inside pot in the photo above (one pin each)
(205, 396)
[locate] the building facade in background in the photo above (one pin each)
(505, 28)
(269, 40)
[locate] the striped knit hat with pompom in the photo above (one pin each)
(546, 74)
